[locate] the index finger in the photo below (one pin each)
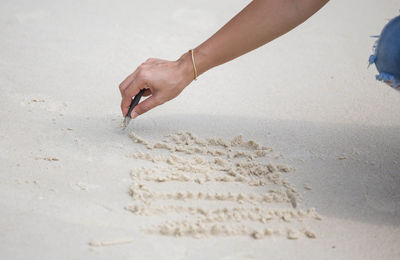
(124, 84)
(133, 89)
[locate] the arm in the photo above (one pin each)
(257, 24)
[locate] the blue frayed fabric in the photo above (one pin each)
(387, 54)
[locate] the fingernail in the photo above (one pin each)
(134, 114)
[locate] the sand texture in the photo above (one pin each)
(222, 163)
(289, 152)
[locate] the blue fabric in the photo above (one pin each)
(387, 54)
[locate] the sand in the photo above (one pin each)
(319, 179)
(219, 162)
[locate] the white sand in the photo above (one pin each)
(66, 167)
(221, 167)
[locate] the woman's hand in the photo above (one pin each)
(260, 22)
(164, 80)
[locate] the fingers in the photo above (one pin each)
(133, 89)
(124, 84)
(147, 92)
(145, 106)
(135, 82)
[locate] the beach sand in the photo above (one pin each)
(73, 185)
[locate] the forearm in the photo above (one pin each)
(257, 24)
(260, 22)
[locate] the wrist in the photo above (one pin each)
(201, 60)
(186, 66)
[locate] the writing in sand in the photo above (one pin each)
(214, 187)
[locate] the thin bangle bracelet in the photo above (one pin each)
(194, 64)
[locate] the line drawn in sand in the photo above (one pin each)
(214, 187)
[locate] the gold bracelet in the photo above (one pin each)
(194, 64)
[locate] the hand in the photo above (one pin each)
(163, 81)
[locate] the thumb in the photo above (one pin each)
(145, 106)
